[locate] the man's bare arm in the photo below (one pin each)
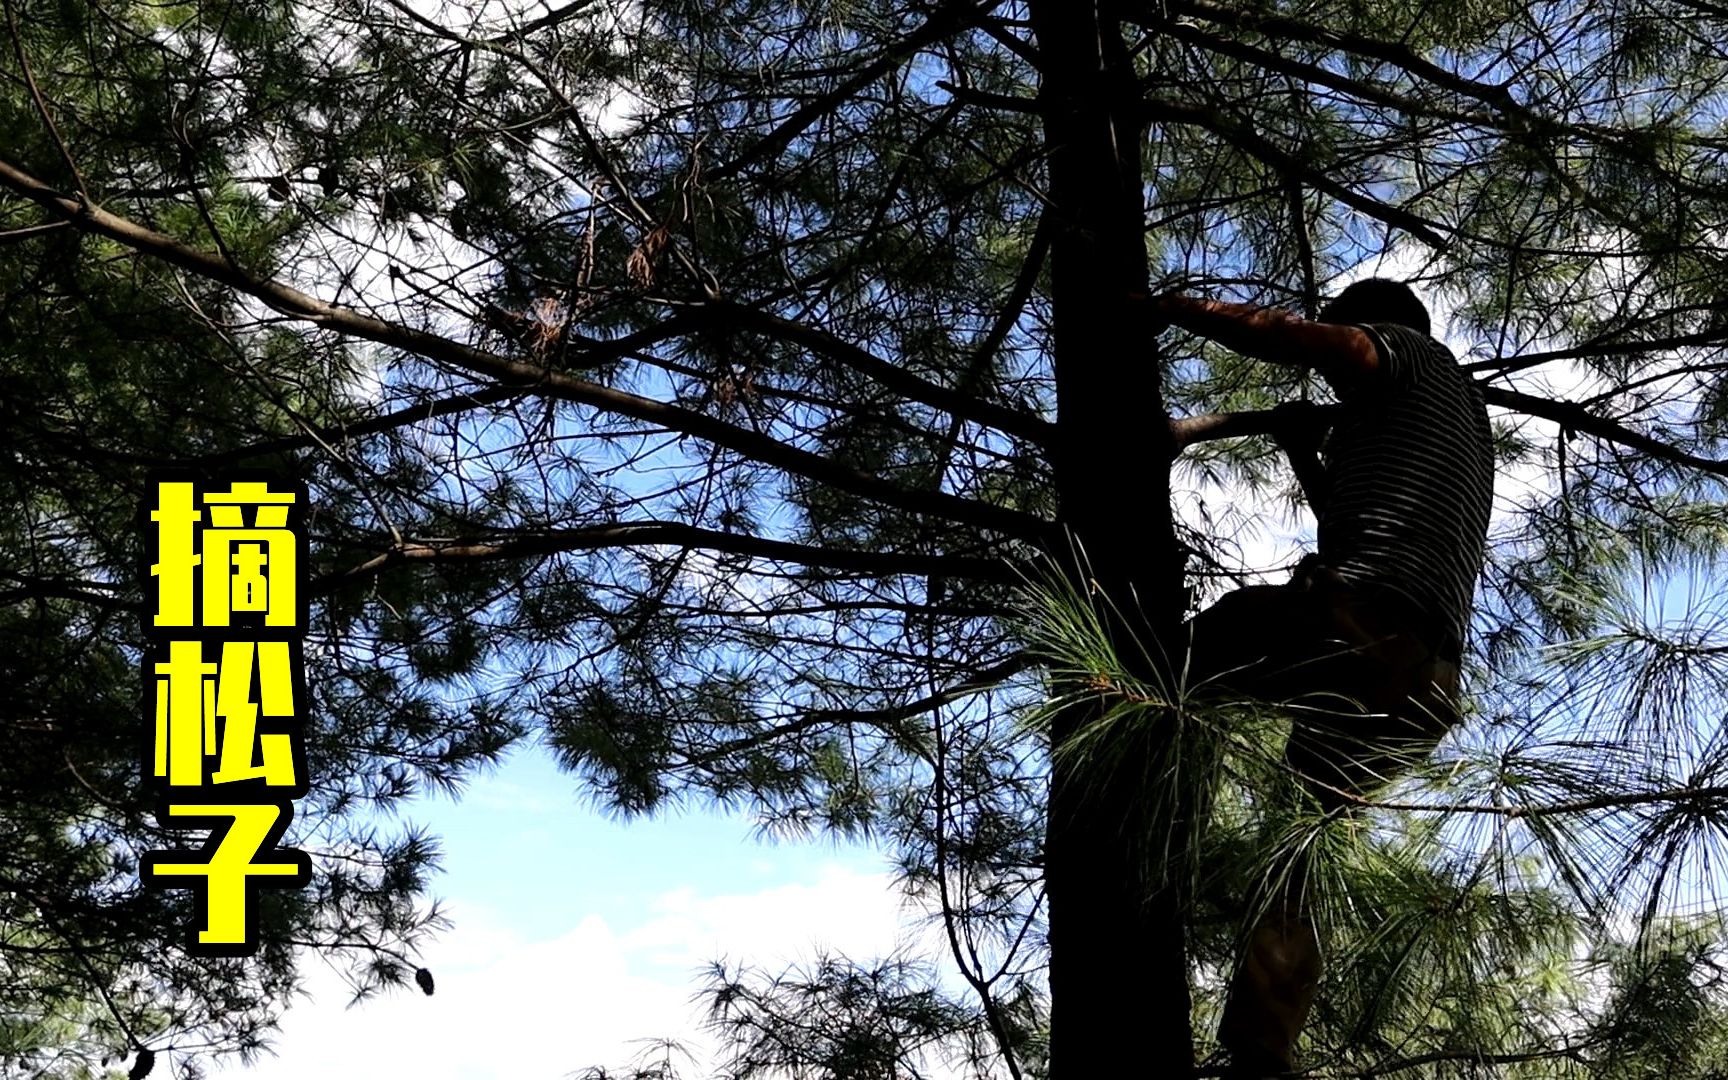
(1274, 335)
(1280, 337)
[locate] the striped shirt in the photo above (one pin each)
(1410, 468)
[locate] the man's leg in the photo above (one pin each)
(1404, 701)
(1381, 701)
(1274, 985)
(1240, 642)
(1270, 643)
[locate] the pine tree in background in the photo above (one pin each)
(697, 385)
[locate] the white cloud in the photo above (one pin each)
(509, 1006)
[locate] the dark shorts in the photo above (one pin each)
(1372, 687)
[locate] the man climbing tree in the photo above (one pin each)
(1365, 639)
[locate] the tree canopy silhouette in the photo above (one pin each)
(692, 385)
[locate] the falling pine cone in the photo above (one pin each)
(424, 979)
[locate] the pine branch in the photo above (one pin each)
(1573, 1053)
(529, 377)
(34, 588)
(406, 416)
(1712, 797)
(957, 403)
(1506, 365)
(949, 18)
(1574, 417)
(885, 718)
(671, 533)
(1570, 415)
(1396, 53)
(1244, 137)
(1316, 75)
(1187, 430)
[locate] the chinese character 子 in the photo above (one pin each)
(227, 871)
(247, 567)
(192, 694)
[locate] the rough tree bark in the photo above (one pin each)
(1118, 976)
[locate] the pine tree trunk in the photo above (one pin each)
(1118, 975)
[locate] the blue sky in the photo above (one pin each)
(576, 934)
(524, 831)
